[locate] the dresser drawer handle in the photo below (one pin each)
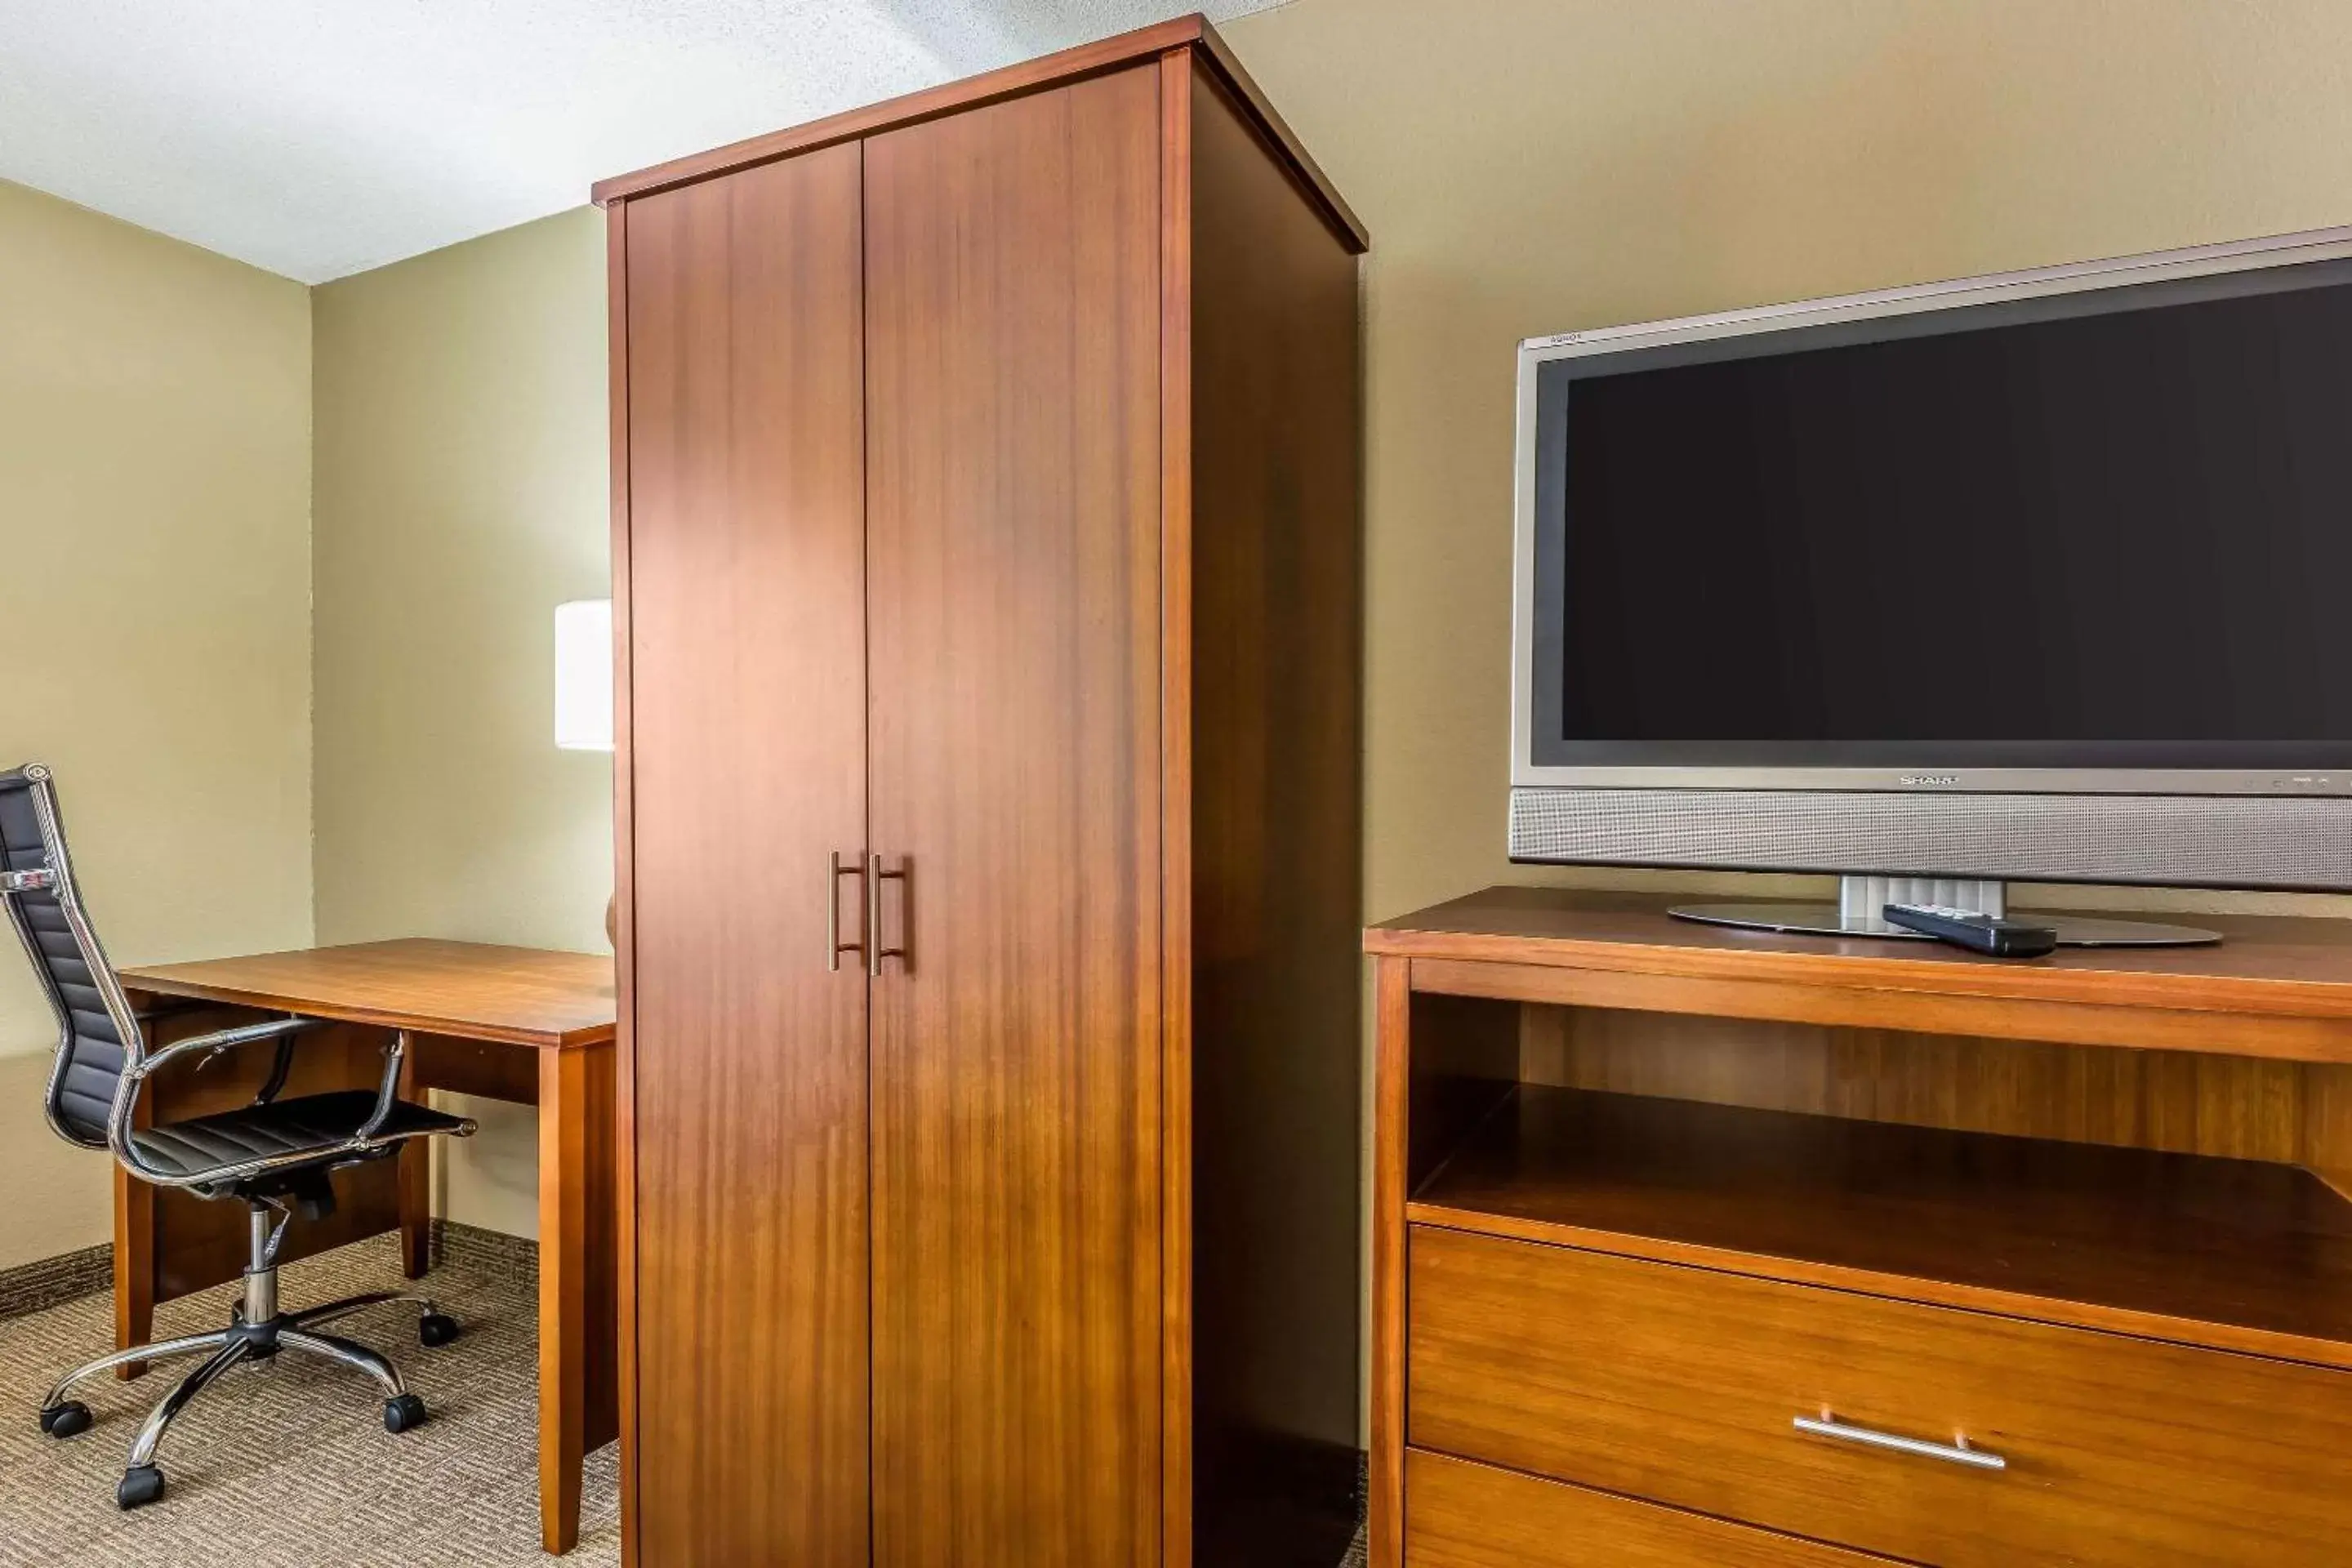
(1957, 1452)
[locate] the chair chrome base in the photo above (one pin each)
(256, 1332)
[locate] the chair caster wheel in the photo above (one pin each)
(141, 1485)
(70, 1419)
(404, 1413)
(435, 1329)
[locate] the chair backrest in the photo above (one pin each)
(97, 1036)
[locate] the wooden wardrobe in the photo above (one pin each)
(987, 575)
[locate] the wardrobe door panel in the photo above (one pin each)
(1013, 362)
(748, 702)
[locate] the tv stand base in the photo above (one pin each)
(1861, 900)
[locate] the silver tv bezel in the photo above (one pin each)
(2241, 255)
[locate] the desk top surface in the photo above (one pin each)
(2286, 965)
(520, 996)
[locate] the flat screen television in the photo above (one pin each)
(2044, 576)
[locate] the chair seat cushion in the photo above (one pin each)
(310, 1123)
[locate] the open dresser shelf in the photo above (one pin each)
(2236, 1253)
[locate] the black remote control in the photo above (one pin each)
(1978, 933)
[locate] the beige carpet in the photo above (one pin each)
(290, 1467)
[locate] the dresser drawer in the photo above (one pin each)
(1461, 1515)
(1682, 1385)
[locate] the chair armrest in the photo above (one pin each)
(279, 1068)
(135, 1074)
(387, 1094)
(220, 1040)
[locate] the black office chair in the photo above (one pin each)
(264, 1155)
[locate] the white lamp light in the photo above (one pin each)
(583, 675)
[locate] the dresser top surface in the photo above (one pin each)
(2265, 963)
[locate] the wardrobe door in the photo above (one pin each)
(747, 628)
(1012, 365)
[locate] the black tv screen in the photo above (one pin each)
(2111, 529)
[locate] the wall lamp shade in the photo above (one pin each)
(583, 675)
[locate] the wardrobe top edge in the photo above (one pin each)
(1191, 33)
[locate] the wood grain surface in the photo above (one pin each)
(1468, 1515)
(2244, 1254)
(1274, 647)
(1014, 312)
(1109, 348)
(2266, 966)
(1190, 35)
(578, 1299)
(1180, 1437)
(748, 721)
(1442, 1066)
(1680, 1385)
(1874, 1000)
(521, 996)
(2170, 1102)
(2189, 1102)
(1393, 1041)
(624, 899)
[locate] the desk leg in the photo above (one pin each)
(134, 1268)
(563, 1161)
(415, 1179)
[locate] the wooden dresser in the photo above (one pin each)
(1699, 1245)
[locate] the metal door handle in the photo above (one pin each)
(1955, 1452)
(833, 946)
(874, 877)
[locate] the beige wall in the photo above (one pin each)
(460, 497)
(1526, 166)
(1535, 166)
(154, 623)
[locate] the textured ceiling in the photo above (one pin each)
(318, 138)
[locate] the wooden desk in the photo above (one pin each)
(505, 1023)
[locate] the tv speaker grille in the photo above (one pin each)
(2228, 841)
